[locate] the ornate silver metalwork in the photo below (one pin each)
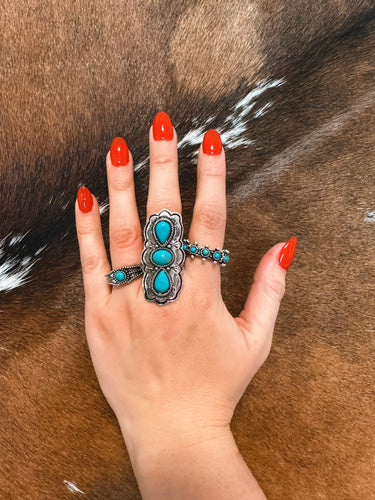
(129, 273)
(163, 259)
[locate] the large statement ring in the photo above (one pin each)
(163, 257)
(123, 275)
(216, 255)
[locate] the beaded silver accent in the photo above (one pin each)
(216, 255)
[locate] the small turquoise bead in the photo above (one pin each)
(163, 230)
(216, 255)
(161, 257)
(120, 276)
(205, 252)
(226, 258)
(193, 249)
(184, 247)
(161, 282)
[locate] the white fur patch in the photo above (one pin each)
(233, 131)
(370, 216)
(72, 487)
(15, 271)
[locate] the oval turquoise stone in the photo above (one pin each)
(161, 282)
(163, 230)
(226, 258)
(216, 255)
(184, 247)
(193, 249)
(161, 257)
(205, 252)
(120, 276)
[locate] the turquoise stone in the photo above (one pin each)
(205, 252)
(161, 282)
(163, 230)
(193, 249)
(216, 255)
(226, 258)
(120, 276)
(184, 247)
(161, 257)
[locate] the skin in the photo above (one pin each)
(174, 374)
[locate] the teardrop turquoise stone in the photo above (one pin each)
(161, 257)
(163, 230)
(161, 283)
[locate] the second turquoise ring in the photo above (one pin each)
(216, 255)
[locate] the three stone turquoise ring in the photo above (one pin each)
(163, 257)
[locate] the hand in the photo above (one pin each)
(177, 371)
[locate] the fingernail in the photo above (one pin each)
(287, 253)
(84, 198)
(162, 127)
(119, 152)
(212, 143)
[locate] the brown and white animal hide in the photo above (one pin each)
(289, 84)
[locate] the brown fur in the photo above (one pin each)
(72, 78)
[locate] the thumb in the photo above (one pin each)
(258, 317)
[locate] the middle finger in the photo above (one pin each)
(164, 189)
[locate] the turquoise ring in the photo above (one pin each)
(124, 275)
(163, 257)
(216, 255)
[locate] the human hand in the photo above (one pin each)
(178, 369)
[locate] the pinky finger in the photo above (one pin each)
(94, 260)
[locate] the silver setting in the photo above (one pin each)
(130, 272)
(222, 260)
(174, 268)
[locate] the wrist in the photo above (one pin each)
(169, 436)
(205, 464)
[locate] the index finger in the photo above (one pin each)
(94, 260)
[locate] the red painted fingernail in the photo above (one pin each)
(162, 127)
(84, 198)
(287, 253)
(212, 143)
(119, 152)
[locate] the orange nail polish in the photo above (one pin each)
(162, 127)
(119, 152)
(84, 198)
(212, 143)
(287, 253)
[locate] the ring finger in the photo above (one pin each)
(209, 214)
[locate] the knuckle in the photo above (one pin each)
(210, 217)
(275, 288)
(91, 263)
(84, 229)
(212, 169)
(163, 200)
(164, 162)
(123, 182)
(125, 237)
